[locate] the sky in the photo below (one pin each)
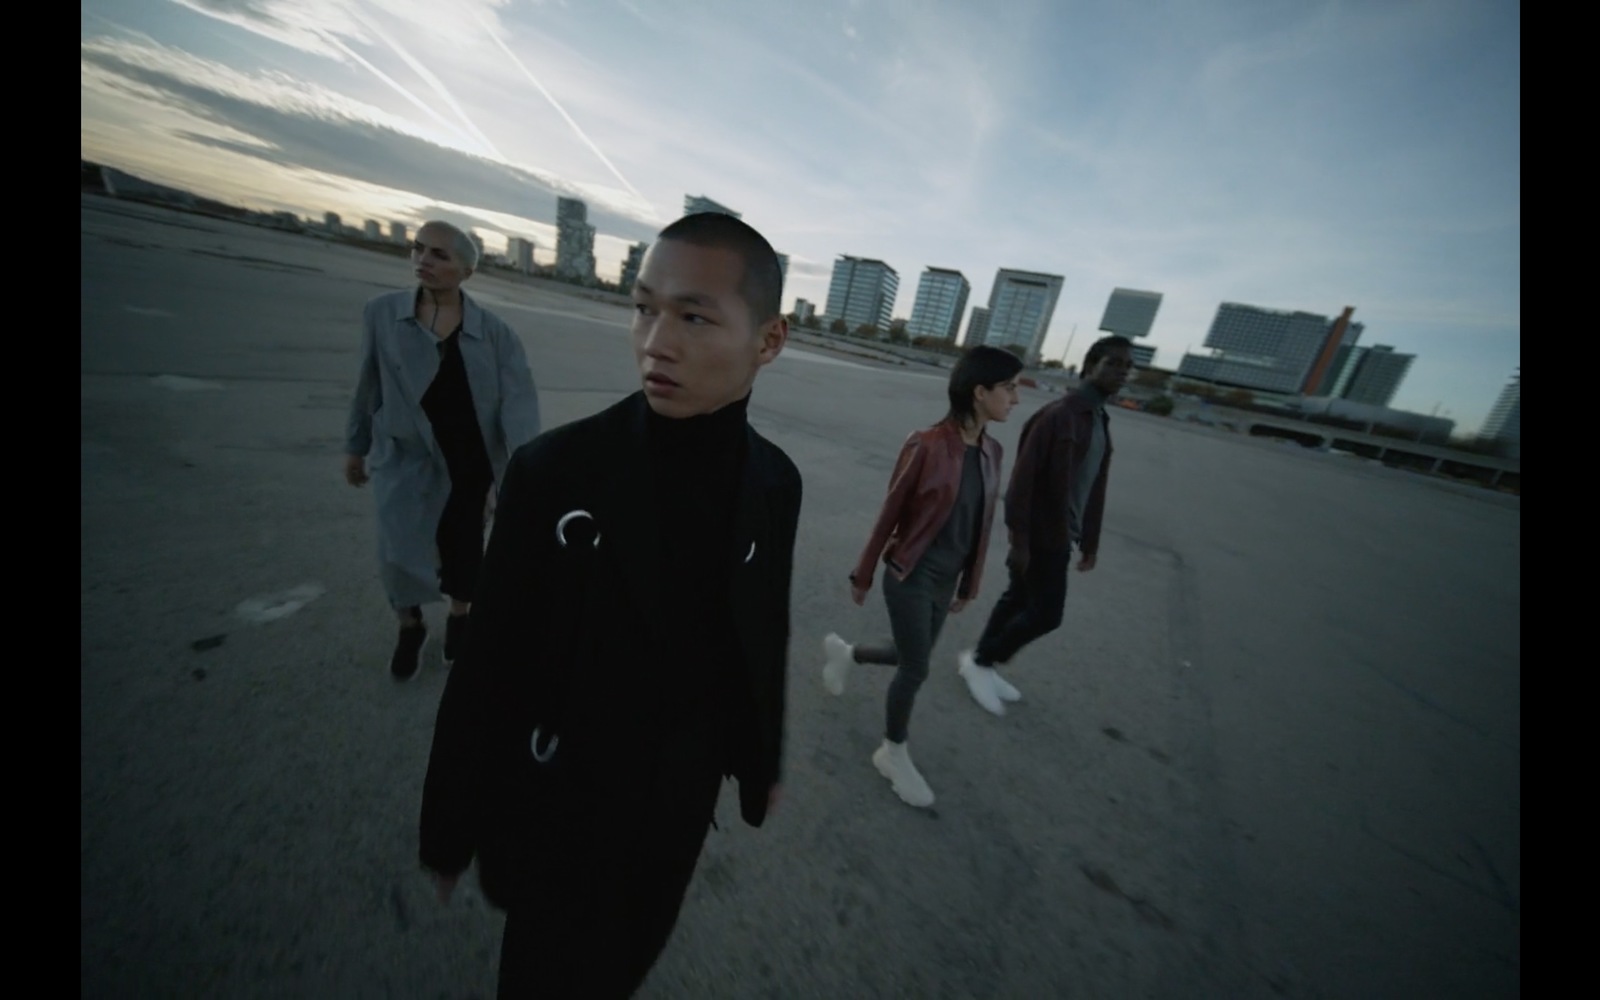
(1284, 154)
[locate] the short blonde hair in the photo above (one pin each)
(464, 247)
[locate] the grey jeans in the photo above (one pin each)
(917, 610)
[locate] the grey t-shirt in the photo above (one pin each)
(952, 547)
(1089, 471)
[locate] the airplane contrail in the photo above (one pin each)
(432, 80)
(403, 92)
(562, 111)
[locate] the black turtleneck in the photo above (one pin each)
(696, 464)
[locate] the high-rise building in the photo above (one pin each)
(1341, 334)
(1373, 375)
(1130, 313)
(372, 230)
(332, 222)
(630, 266)
(941, 302)
(397, 233)
(1271, 350)
(1337, 376)
(574, 240)
(1144, 355)
(783, 267)
(804, 310)
(862, 292)
(1505, 420)
(694, 204)
(977, 327)
(520, 252)
(1021, 304)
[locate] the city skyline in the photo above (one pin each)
(1303, 158)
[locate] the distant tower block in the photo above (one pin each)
(1130, 312)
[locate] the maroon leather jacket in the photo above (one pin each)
(922, 492)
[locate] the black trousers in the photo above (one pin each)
(918, 608)
(555, 953)
(460, 539)
(1031, 607)
(614, 903)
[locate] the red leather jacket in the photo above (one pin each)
(922, 492)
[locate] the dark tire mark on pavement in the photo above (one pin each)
(1146, 910)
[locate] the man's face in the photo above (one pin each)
(1110, 373)
(697, 347)
(434, 261)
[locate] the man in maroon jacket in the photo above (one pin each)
(1056, 500)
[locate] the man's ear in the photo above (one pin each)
(774, 333)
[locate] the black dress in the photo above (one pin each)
(449, 407)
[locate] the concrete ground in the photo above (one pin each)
(1275, 749)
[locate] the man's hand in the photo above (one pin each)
(858, 594)
(957, 605)
(444, 885)
(355, 470)
(1017, 559)
(1086, 563)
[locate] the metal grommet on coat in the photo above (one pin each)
(561, 526)
(550, 751)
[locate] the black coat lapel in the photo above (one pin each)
(753, 564)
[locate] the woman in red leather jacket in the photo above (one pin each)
(932, 534)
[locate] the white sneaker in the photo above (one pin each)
(840, 655)
(893, 761)
(980, 681)
(1003, 688)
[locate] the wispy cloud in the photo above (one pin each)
(307, 24)
(433, 81)
(295, 124)
(489, 29)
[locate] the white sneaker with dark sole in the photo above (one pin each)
(840, 655)
(980, 683)
(893, 761)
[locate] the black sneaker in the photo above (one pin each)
(455, 637)
(407, 658)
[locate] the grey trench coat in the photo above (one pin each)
(410, 481)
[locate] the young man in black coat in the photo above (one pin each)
(630, 637)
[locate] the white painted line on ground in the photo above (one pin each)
(271, 607)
